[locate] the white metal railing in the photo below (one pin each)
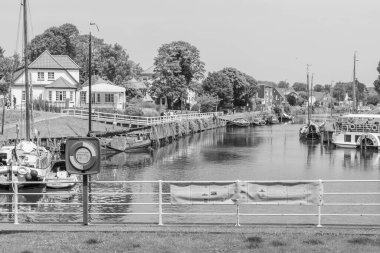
(158, 204)
(137, 120)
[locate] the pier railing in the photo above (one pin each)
(122, 119)
(339, 202)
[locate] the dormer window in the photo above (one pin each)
(40, 76)
(50, 75)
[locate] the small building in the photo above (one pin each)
(105, 94)
(53, 78)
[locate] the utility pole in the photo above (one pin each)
(27, 98)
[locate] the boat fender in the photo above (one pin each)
(33, 173)
(352, 126)
(374, 128)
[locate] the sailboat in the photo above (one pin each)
(311, 130)
(24, 162)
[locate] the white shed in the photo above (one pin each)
(105, 94)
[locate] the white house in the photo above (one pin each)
(105, 94)
(53, 78)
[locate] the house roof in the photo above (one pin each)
(318, 95)
(48, 61)
(60, 83)
(100, 85)
(134, 84)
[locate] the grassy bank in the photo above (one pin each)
(62, 127)
(187, 242)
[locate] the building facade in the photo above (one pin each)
(52, 78)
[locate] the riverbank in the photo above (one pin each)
(142, 238)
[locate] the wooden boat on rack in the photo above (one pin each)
(126, 143)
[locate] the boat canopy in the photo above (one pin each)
(372, 116)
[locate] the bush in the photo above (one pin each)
(133, 111)
(150, 112)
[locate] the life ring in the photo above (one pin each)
(352, 126)
(374, 128)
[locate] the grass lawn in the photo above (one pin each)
(186, 242)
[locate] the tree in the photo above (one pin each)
(373, 99)
(376, 83)
(292, 100)
(244, 86)
(177, 65)
(217, 84)
(327, 87)
(109, 61)
(339, 91)
(318, 88)
(7, 67)
(207, 103)
(299, 86)
(283, 84)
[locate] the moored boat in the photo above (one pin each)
(258, 122)
(59, 178)
(285, 117)
(310, 131)
(357, 130)
(126, 143)
(25, 163)
(239, 122)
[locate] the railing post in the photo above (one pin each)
(319, 225)
(160, 203)
(237, 205)
(15, 186)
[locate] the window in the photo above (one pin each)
(83, 97)
(347, 138)
(71, 95)
(50, 75)
(356, 137)
(23, 96)
(109, 98)
(93, 98)
(60, 95)
(98, 98)
(50, 95)
(40, 76)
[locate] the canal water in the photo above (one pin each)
(226, 154)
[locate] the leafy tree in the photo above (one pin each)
(270, 83)
(376, 83)
(7, 67)
(327, 87)
(217, 84)
(177, 65)
(373, 99)
(299, 86)
(339, 91)
(292, 100)
(207, 103)
(318, 88)
(109, 61)
(283, 84)
(244, 86)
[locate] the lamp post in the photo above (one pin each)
(89, 81)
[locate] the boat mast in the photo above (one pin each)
(308, 93)
(354, 86)
(311, 91)
(89, 87)
(27, 116)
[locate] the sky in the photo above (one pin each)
(270, 40)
